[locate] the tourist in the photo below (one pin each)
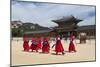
(82, 37)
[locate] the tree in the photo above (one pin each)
(17, 32)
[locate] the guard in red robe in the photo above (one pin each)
(71, 45)
(40, 43)
(46, 46)
(34, 45)
(25, 44)
(58, 46)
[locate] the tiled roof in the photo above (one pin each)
(86, 27)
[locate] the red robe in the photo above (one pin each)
(26, 45)
(39, 43)
(46, 47)
(58, 45)
(71, 45)
(34, 45)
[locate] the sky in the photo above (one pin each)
(43, 13)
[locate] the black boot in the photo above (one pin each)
(36, 50)
(63, 53)
(56, 53)
(32, 50)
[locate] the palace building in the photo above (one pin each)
(66, 26)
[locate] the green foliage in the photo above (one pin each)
(17, 32)
(26, 27)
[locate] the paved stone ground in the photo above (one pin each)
(85, 52)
